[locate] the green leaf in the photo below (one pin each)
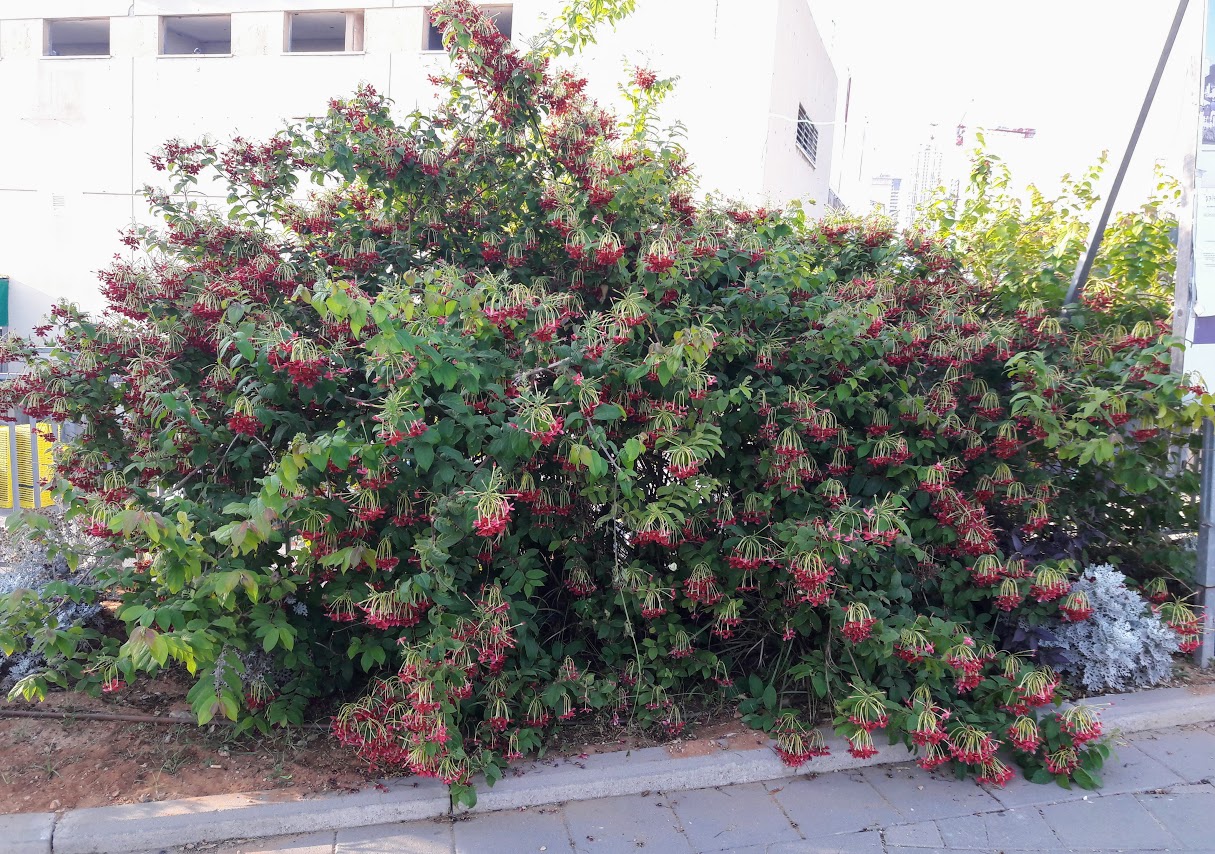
(1086, 779)
(425, 456)
(1041, 776)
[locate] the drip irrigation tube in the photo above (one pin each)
(94, 716)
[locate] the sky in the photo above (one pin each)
(1074, 70)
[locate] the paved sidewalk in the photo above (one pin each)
(1158, 796)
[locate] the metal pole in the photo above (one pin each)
(1094, 242)
(1205, 569)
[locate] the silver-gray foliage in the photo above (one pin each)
(25, 564)
(1122, 646)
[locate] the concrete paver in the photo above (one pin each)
(625, 824)
(920, 795)
(516, 832)
(305, 843)
(1021, 793)
(731, 817)
(1118, 821)
(866, 842)
(1189, 817)
(1008, 830)
(833, 803)
(1187, 752)
(414, 837)
(1129, 769)
(922, 834)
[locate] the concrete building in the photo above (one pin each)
(926, 178)
(886, 196)
(91, 87)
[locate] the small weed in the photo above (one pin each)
(174, 761)
(277, 775)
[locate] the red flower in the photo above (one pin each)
(494, 523)
(244, 424)
(1076, 608)
(644, 78)
(858, 630)
(861, 745)
(993, 772)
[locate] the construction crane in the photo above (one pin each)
(1027, 133)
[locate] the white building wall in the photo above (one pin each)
(802, 73)
(80, 128)
(722, 54)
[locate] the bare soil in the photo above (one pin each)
(1188, 675)
(50, 765)
(53, 765)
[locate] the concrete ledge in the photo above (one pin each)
(140, 827)
(654, 769)
(1157, 709)
(150, 826)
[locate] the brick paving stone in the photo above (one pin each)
(413, 837)
(27, 832)
(513, 832)
(1187, 752)
(922, 834)
(866, 842)
(307, 843)
(919, 795)
(733, 817)
(1118, 821)
(833, 803)
(626, 823)
(1189, 817)
(1001, 831)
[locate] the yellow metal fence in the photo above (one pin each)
(25, 463)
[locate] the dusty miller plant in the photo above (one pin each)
(33, 564)
(1123, 645)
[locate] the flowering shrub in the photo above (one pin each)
(1124, 508)
(1121, 644)
(499, 427)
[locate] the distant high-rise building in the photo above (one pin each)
(886, 195)
(927, 177)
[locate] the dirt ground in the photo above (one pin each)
(1186, 674)
(50, 764)
(60, 764)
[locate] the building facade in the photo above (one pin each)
(92, 87)
(886, 196)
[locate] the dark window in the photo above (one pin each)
(324, 32)
(195, 34)
(807, 136)
(500, 15)
(77, 37)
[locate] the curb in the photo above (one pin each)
(140, 827)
